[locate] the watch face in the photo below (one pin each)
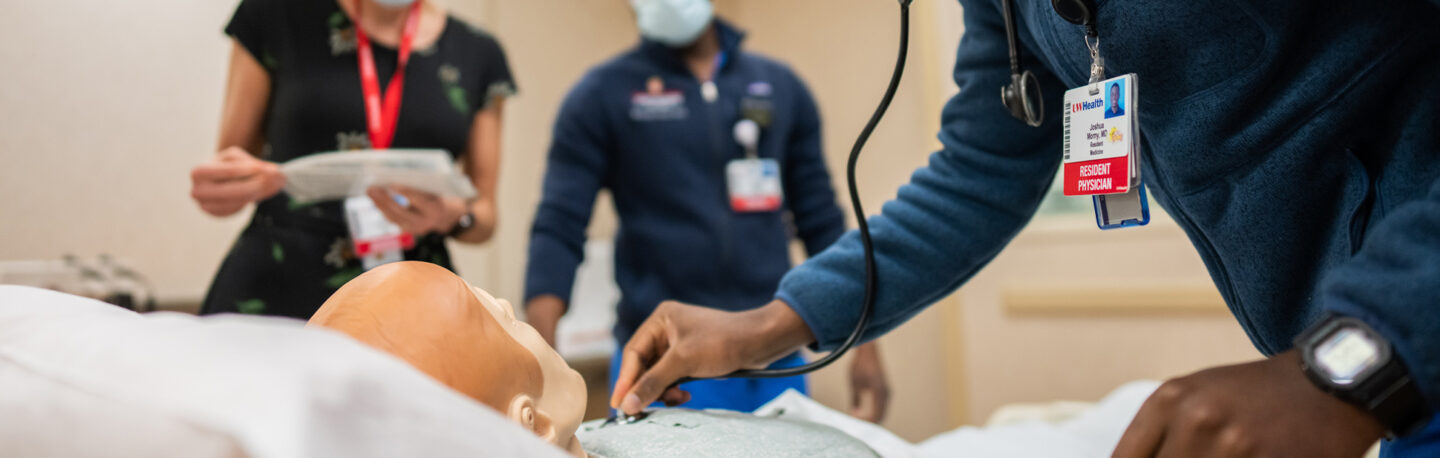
(1347, 354)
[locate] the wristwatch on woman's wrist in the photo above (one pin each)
(466, 222)
(1348, 359)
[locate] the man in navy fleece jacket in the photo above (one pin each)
(1296, 141)
(658, 133)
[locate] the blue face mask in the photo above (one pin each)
(673, 22)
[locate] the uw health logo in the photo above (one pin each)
(1082, 106)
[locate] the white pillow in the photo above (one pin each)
(80, 377)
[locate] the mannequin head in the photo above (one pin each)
(466, 339)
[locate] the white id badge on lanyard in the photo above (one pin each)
(754, 185)
(754, 182)
(1101, 149)
(376, 240)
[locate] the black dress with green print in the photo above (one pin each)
(292, 257)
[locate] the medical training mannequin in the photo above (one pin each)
(466, 339)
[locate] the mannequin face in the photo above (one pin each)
(466, 339)
(563, 387)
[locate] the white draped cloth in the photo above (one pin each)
(82, 378)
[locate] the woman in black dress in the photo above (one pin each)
(295, 89)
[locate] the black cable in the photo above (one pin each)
(868, 307)
(1010, 36)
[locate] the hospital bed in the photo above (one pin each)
(84, 378)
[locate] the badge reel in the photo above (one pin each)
(1101, 146)
(376, 240)
(754, 182)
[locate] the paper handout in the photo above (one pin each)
(340, 174)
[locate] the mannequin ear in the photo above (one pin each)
(522, 410)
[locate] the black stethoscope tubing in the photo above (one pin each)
(1080, 12)
(868, 304)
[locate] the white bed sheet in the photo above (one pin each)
(84, 378)
(1093, 432)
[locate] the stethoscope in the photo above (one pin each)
(746, 136)
(1024, 104)
(1023, 96)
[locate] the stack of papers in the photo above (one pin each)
(340, 174)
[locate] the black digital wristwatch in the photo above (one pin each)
(1348, 359)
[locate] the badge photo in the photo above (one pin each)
(1114, 98)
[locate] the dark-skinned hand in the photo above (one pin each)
(680, 340)
(1259, 409)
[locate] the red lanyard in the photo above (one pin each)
(381, 122)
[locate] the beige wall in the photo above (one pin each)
(104, 107)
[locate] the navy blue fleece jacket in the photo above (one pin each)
(640, 126)
(1297, 142)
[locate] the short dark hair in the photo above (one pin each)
(1114, 86)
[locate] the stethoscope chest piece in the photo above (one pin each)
(1023, 98)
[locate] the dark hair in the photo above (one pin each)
(1114, 86)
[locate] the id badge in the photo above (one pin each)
(376, 240)
(1101, 148)
(1099, 142)
(754, 185)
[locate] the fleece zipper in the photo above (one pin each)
(718, 152)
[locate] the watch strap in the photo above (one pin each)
(1396, 400)
(465, 222)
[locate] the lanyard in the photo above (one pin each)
(381, 121)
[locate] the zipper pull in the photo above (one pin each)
(709, 91)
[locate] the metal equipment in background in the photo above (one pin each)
(102, 278)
